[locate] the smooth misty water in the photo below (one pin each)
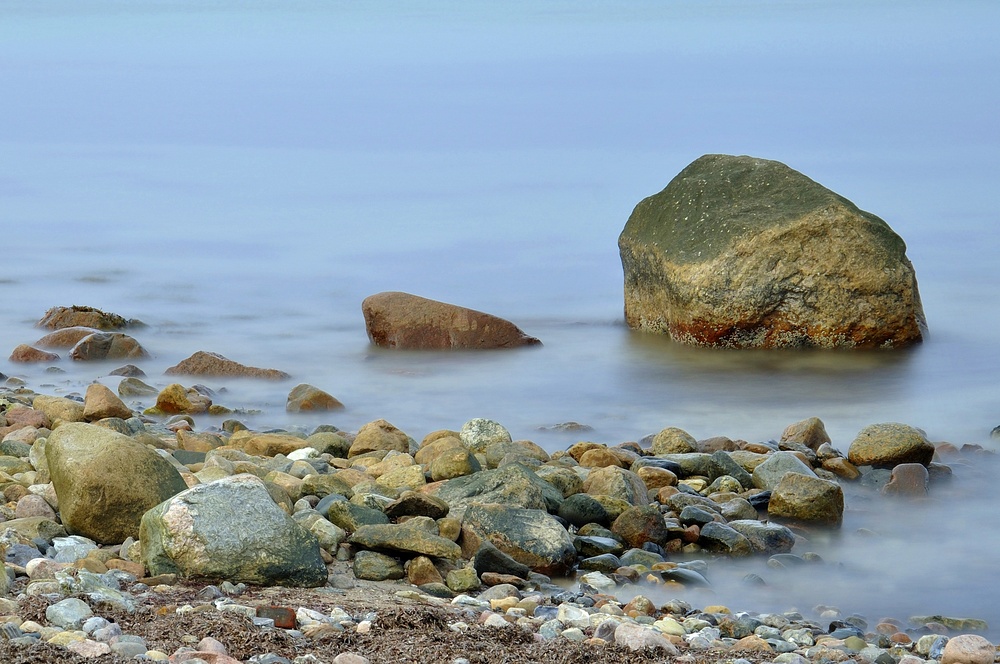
(241, 176)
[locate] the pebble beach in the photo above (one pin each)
(622, 540)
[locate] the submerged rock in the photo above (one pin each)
(402, 320)
(60, 317)
(747, 253)
(308, 398)
(107, 346)
(25, 354)
(213, 364)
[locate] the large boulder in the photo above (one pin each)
(890, 444)
(748, 253)
(531, 537)
(105, 481)
(230, 529)
(401, 320)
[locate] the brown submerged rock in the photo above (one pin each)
(65, 337)
(26, 354)
(308, 398)
(212, 364)
(60, 317)
(107, 346)
(405, 321)
(747, 253)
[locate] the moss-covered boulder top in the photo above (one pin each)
(747, 252)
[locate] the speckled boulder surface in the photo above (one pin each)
(747, 253)
(230, 529)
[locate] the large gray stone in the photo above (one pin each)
(230, 529)
(531, 537)
(105, 481)
(745, 252)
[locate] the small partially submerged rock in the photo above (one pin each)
(747, 253)
(65, 337)
(308, 398)
(26, 354)
(107, 346)
(212, 364)
(402, 320)
(60, 317)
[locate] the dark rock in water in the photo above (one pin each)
(785, 560)
(405, 321)
(720, 537)
(686, 577)
(765, 537)
(995, 434)
(743, 252)
(60, 317)
(213, 364)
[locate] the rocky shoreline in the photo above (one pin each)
(129, 531)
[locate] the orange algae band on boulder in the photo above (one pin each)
(405, 321)
(742, 252)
